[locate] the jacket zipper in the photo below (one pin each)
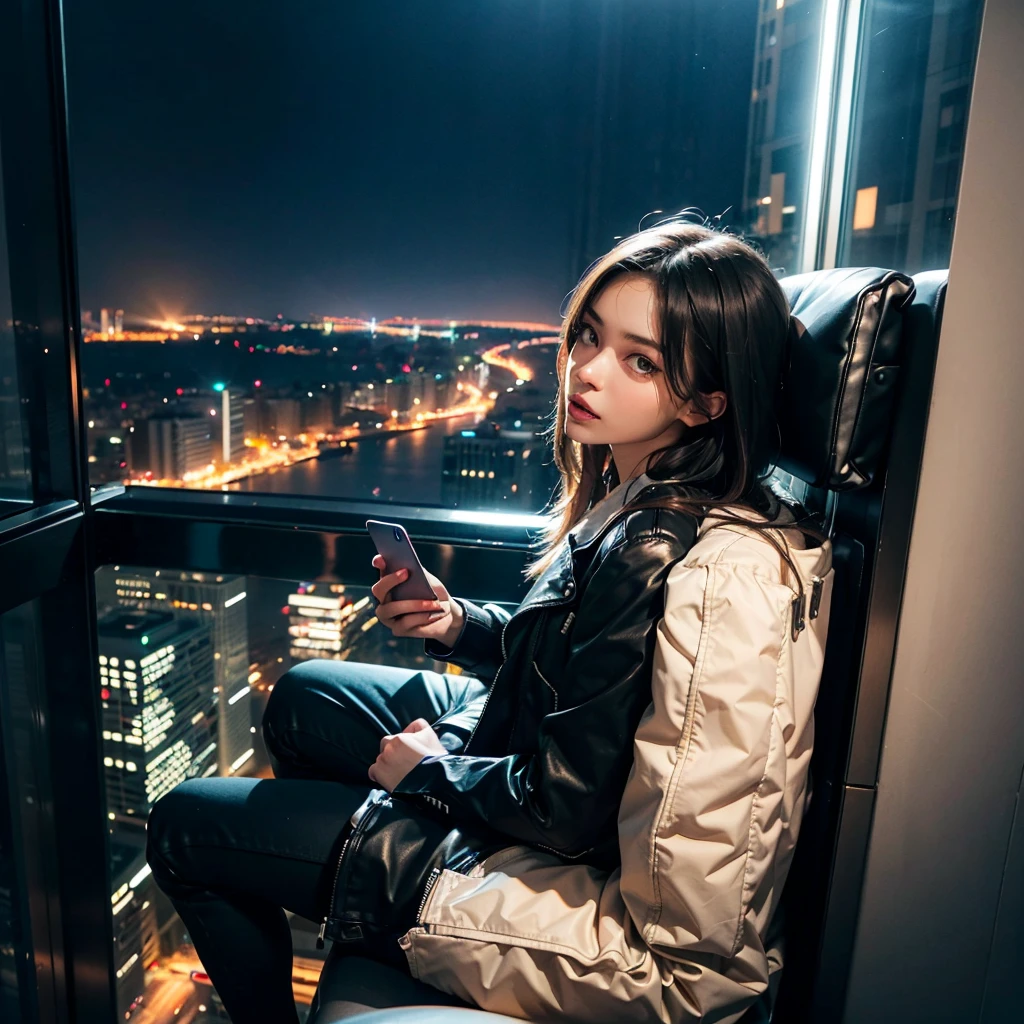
(337, 875)
(816, 587)
(435, 874)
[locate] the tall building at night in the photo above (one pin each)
(133, 906)
(326, 622)
(905, 156)
(505, 469)
(219, 602)
(778, 132)
(231, 438)
(906, 161)
(178, 445)
(156, 672)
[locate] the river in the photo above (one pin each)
(404, 466)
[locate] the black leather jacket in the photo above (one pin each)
(546, 765)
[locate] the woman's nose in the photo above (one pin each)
(592, 372)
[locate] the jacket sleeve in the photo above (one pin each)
(478, 647)
(706, 827)
(564, 795)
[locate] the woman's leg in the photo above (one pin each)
(230, 854)
(325, 719)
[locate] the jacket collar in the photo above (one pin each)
(593, 523)
(557, 584)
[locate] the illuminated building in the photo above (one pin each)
(219, 602)
(231, 448)
(178, 445)
(507, 468)
(118, 321)
(782, 96)
(155, 672)
(133, 907)
(324, 622)
(106, 327)
(904, 183)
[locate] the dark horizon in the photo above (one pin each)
(462, 161)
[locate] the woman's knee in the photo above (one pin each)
(289, 704)
(168, 822)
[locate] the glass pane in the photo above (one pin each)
(781, 109)
(338, 272)
(22, 884)
(187, 662)
(909, 131)
(13, 942)
(15, 481)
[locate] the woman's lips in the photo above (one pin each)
(580, 412)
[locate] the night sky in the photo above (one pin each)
(435, 158)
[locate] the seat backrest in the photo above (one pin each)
(852, 416)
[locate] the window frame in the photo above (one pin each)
(53, 548)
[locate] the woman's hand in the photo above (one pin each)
(400, 754)
(424, 620)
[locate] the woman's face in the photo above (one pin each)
(615, 366)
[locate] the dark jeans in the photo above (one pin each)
(232, 854)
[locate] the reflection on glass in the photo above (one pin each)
(187, 662)
(362, 301)
(12, 944)
(21, 984)
(909, 129)
(781, 111)
(15, 483)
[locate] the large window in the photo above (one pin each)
(187, 662)
(910, 126)
(323, 246)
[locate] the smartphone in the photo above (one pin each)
(394, 546)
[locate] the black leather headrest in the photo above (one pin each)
(839, 387)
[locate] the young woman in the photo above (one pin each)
(595, 819)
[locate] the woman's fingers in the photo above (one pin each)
(384, 585)
(392, 609)
(410, 625)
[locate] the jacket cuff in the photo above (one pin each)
(477, 649)
(437, 650)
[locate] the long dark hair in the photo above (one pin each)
(723, 323)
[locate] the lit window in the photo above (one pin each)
(864, 208)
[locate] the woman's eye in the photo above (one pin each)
(643, 365)
(586, 334)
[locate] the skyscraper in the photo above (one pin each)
(232, 428)
(156, 673)
(118, 321)
(136, 931)
(178, 445)
(905, 168)
(219, 602)
(778, 132)
(323, 621)
(509, 468)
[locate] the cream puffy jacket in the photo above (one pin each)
(707, 824)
